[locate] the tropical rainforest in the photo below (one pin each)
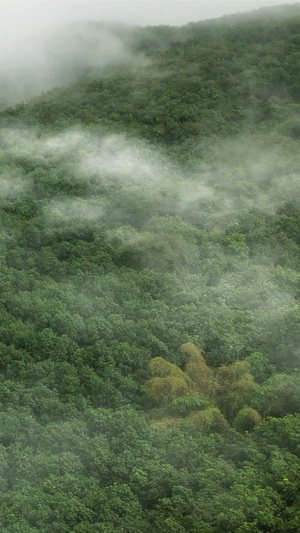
(150, 282)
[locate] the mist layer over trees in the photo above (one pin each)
(149, 273)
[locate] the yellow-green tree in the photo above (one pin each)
(210, 420)
(199, 389)
(167, 382)
(202, 377)
(246, 420)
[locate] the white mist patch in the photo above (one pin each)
(11, 186)
(134, 177)
(75, 211)
(194, 193)
(34, 59)
(252, 285)
(21, 144)
(17, 139)
(81, 47)
(238, 176)
(122, 159)
(286, 189)
(151, 214)
(71, 144)
(130, 168)
(110, 159)
(126, 179)
(113, 155)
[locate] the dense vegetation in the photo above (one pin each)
(150, 354)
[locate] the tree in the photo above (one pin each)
(202, 377)
(246, 420)
(235, 387)
(168, 382)
(209, 420)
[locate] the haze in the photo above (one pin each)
(19, 16)
(33, 59)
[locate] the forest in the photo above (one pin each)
(150, 282)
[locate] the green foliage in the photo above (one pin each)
(168, 383)
(186, 404)
(246, 419)
(221, 397)
(209, 420)
(235, 389)
(146, 212)
(280, 395)
(260, 366)
(202, 377)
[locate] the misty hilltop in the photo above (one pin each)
(170, 83)
(57, 57)
(150, 278)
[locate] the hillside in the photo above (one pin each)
(150, 208)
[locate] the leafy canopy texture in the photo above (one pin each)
(149, 280)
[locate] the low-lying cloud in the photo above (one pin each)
(149, 213)
(36, 61)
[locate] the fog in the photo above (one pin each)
(43, 44)
(147, 206)
(21, 17)
(41, 58)
(145, 202)
(116, 250)
(266, 180)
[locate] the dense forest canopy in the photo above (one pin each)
(149, 273)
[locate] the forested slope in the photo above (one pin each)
(150, 222)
